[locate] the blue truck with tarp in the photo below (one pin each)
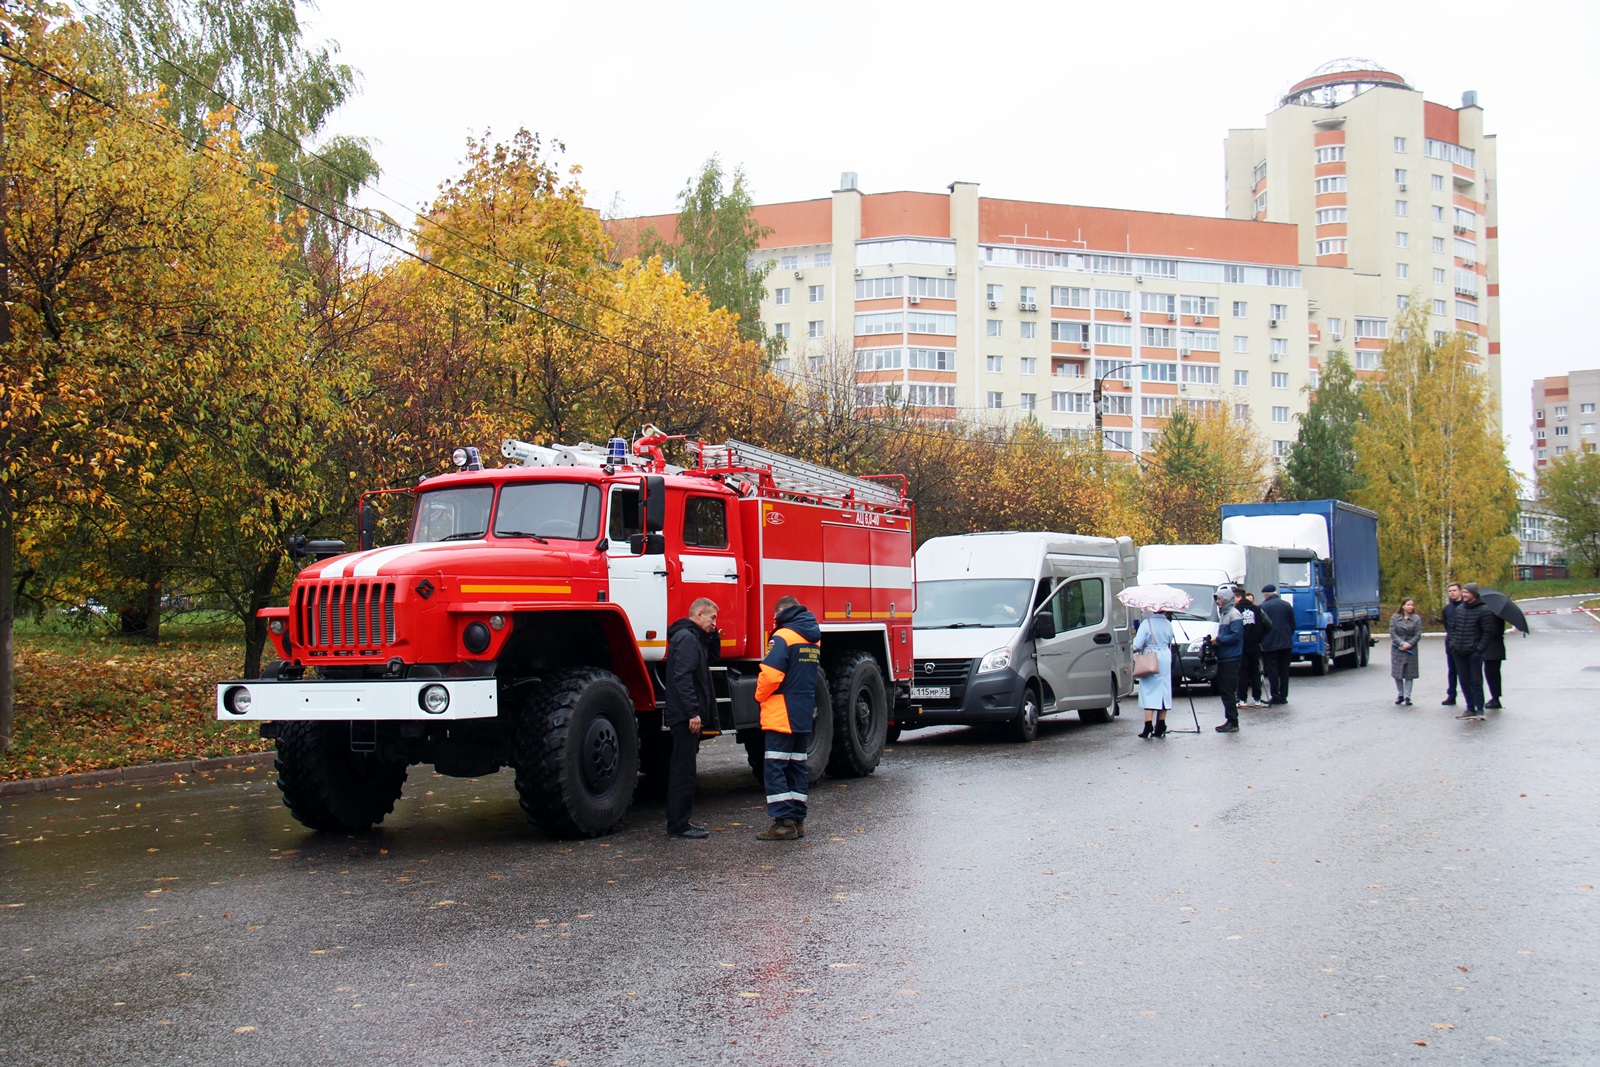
(1327, 568)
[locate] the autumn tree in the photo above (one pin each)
(1434, 467)
(1200, 462)
(714, 245)
(1322, 461)
(1570, 488)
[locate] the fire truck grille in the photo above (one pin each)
(345, 616)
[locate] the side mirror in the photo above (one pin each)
(1043, 628)
(647, 544)
(655, 504)
(367, 521)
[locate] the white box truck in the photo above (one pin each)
(1012, 626)
(1198, 570)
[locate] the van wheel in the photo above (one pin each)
(860, 716)
(1100, 715)
(1025, 726)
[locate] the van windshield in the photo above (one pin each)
(1202, 603)
(986, 602)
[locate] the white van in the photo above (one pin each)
(1012, 626)
(1198, 570)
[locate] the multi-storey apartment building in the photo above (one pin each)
(1000, 309)
(1564, 415)
(1394, 192)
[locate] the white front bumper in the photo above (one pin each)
(470, 698)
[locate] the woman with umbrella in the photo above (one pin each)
(1155, 638)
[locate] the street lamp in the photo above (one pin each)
(1099, 402)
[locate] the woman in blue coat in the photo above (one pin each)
(1155, 690)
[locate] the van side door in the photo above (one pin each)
(1077, 662)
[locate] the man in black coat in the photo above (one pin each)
(1256, 627)
(1277, 643)
(689, 702)
(1452, 593)
(1466, 638)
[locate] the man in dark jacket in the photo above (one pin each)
(1494, 654)
(1256, 626)
(1230, 650)
(1466, 637)
(1278, 643)
(689, 702)
(787, 692)
(1452, 594)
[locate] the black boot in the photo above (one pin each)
(1161, 728)
(1147, 729)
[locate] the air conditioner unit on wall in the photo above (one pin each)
(858, 270)
(1402, 187)
(949, 270)
(1338, 337)
(916, 300)
(1127, 314)
(1084, 345)
(1172, 316)
(1276, 357)
(799, 274)
(1198, 319)
(1183, 352)
(993, 304)
(1273, 323)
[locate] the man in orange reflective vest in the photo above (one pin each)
(787, 692)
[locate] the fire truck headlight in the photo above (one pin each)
(998, 660)
(497, 623)
(237, 700)
(434, 699)
(475, 637)
(278, 626)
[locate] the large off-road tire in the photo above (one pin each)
(576, 752)
(1102, 715)
(1025, 726)
(860, 715)
(817, 752)
(328, 787)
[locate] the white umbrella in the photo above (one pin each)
(1154, 597)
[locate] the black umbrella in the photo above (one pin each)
(1505, 607)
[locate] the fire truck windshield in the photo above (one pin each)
(452, 514)
(984, 602)
(549, 509)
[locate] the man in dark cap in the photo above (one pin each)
(1277, 643)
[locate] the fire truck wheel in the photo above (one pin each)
(577, 752)
(817, 752)
(860, 715)
(329, 787)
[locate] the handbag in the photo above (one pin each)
(1146, 664)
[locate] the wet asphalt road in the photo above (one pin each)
(1342, 879)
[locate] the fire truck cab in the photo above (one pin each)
(524, 623)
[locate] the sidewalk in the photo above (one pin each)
(144, 772)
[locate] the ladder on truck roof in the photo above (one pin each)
(739, 461)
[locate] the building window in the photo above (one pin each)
(1280, 414)
(877, 359)
(879, 288)
(824, 259)
(1028, 330)
(1438, 213)
(1280, 379)
(1399, 176)
(1543, 452)
(814, 293)
(1314, 379)
(1401, 239)
(1107, 334)
(1069, 332)
(997, 399)
(994, 364)
(1117, 404)
(1280, 449)
(1399, 144)
(870, 323)
(1331, 246)
(932, 359)
(1402, 302)
(1122, 440)
(1327, 216)
(1261, 202)
(1465, 219)
(1113, 299)
(1030, 401)
(1279, 311)
(781, 296)
(1028, 294)
(1438, 245)
(814, 328)
(1280, 346)
(1402, 270)
(1378, 328)
(1028, 365)
(994, 293)
(1439, 276)
(1466, 311)
(1241, 378)
(939, 288)
(1440, 308)
(1539, 433)
(1336, 327)
(1438, 183)
(781, 331)
(1402, 207)
(1158, 337)
(993, 327)
(1259, 173)
(1160, 372)
(1241, 413)
(1562, 450)
(1241, 343)
(1587, 427)
(780, 366)
(1158, 303)
(788, 262)
(1156, 407)
(1366, 359)
(1585, 409)
(1330, 153)
(1067, 296)
(1200, 373)
(1197, 305)
(1561, 411)
(1334, 184)
(1241, 309)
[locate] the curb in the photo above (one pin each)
(144, 772)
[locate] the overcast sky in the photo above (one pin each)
(1105, 104)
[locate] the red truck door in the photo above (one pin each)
(707, 564)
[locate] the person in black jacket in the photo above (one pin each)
(1466, 638)
(1278, 643)
(1494, 654)
(1453, 594)
(1256, 626)
(689, 702)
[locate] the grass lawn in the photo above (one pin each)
(88, 698)
(1550, 587)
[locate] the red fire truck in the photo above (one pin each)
(523, 623)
